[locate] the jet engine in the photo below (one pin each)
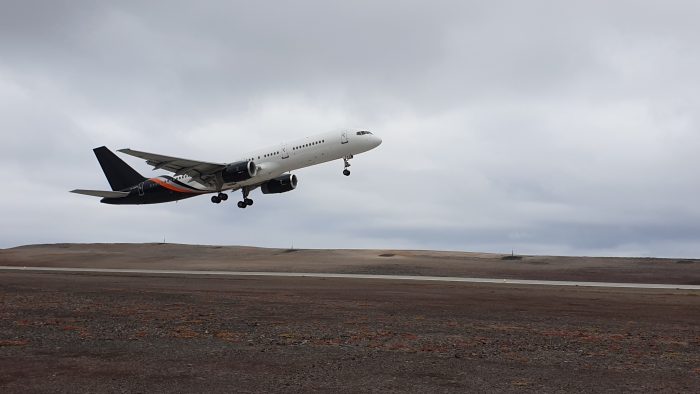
(238, 172)
(281, 184)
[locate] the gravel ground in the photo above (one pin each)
(122, 333)
(389, 262)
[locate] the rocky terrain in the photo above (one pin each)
(166, 333)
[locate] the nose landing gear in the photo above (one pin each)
(346, 172)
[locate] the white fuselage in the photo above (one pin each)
(276, 160)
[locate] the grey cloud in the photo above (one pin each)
(553, 127)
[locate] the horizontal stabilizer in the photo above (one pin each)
(101, 193)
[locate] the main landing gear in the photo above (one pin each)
(219, 198)
(346, 172)
(241, 204)
(246, 201)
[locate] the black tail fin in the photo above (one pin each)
(118, 173)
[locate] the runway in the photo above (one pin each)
(183, 327)
(501, 281)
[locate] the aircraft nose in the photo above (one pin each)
(377, 141)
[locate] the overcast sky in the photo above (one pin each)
(548, 127)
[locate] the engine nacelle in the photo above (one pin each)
(238, 172)
(281, 184)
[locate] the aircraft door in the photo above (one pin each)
(285, 154)
(141, 189)
(344, 137)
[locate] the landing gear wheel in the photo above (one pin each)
(246, 201)
(223, 196)
(215, 199)
(346, 163)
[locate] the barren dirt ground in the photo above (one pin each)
(390, 262)
(159, 333)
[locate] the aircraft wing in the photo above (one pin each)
(199, 170)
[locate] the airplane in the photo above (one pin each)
(269, 169)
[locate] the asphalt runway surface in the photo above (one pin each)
(501, 281)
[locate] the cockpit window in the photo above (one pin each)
(363, 132)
